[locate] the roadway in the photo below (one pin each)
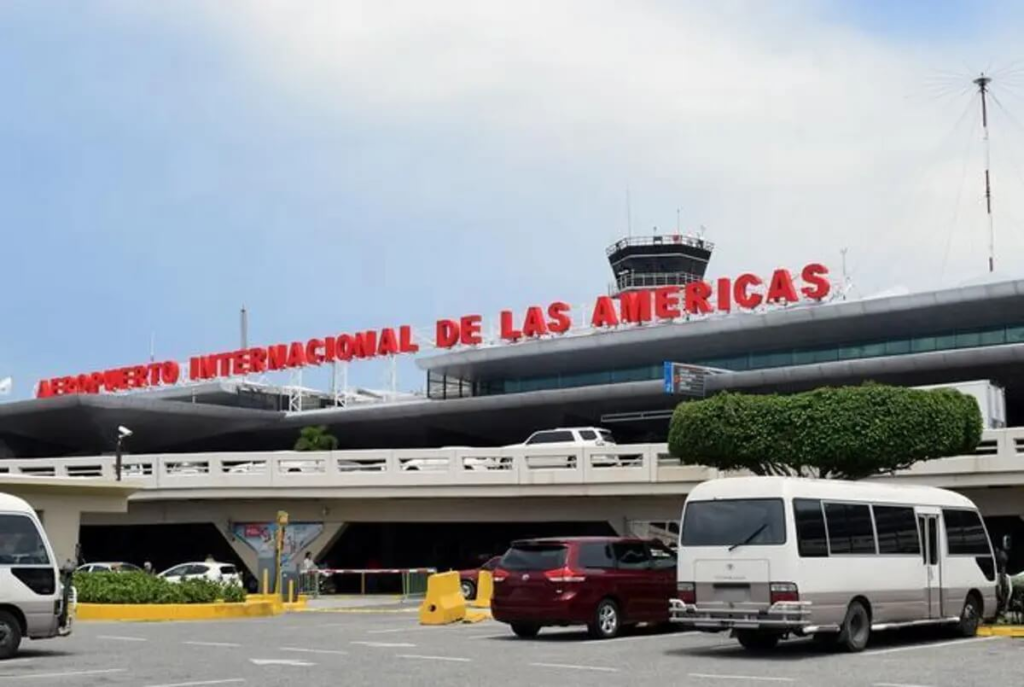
(363, 648)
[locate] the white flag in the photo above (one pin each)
(5, 386)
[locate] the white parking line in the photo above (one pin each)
(570, 666)
(503, 634)
(388, 645)
(301, 650)
(228, 645)
(454, 659)
(117, 638)
(230, 681)
(934, 645)
(392, 630)
(72, 673)
(759, 678)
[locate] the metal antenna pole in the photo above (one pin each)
(982, 83)
(245, 328)
(846, 279)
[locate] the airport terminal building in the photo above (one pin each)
(780, 333)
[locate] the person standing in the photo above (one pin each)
(309, 574)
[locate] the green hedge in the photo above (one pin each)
(847, 432)
(140, 588)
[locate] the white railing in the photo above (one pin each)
(998, 460)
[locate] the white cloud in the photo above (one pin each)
(787, 133)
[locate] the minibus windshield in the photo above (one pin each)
(734, 522)
(20, 543)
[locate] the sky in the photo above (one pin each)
(336, 166)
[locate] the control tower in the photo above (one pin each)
(647, 262)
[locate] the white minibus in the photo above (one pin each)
(32, 599)
(770, 557)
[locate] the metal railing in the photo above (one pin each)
(660, 240)
(998, 459)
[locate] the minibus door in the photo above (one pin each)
(929, 530)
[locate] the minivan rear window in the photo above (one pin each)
(20, 543)
(734, 522)
(534, 557)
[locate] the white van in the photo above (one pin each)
(32, 600)
(769, 557)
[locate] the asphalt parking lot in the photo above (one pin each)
(361, 648)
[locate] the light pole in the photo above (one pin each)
(122, 434)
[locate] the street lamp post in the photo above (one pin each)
(122, 434)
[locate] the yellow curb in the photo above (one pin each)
(168, 612)
(474, 616)
(1001, 631)
(359, 610)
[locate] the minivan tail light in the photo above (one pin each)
(686, 592)
(499, 575)
(564, 575)
(784, 591)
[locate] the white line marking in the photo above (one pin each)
(73, 673)
(301, 650)
(117, 638)
(707, 676)
(503, 634)
(648, 637)
(400, 629)
(229, 645)
(279, 662)
(234, 680)
(570, 666)
(934, 645)
(454, 659)
(395, 645)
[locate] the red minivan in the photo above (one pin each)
(605, 583)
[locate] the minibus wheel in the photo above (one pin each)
(970, 617)
(10, 635)
(856, 628)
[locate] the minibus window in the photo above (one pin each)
(20, 542)
(534, 557)
(849, 528)
(732, 522)
(810, 528)
(965, 535)
(897, 530)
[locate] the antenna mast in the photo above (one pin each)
(982, 83)
(245, 328)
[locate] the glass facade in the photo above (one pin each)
(965, 338)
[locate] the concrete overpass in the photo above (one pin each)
(628, 487)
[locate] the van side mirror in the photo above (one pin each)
(1007, 542)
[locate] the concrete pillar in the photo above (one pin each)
(61, 525)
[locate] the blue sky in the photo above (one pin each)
(340, 167)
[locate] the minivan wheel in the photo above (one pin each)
(970, 617)
(755, 640)
(606, 620)
(468, 589)
(10, 635)
(856, 628)
(525, 630)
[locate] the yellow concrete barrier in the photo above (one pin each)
(166, 612)
(484, 590)
(444, 602)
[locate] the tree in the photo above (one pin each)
(845, 433)
(316, 438)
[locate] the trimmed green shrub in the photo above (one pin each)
(845, 433)
(140, 588)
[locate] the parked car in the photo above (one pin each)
(569, 437)
(605, 583)
(218, 572)
(108, 567)
(468, 578)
